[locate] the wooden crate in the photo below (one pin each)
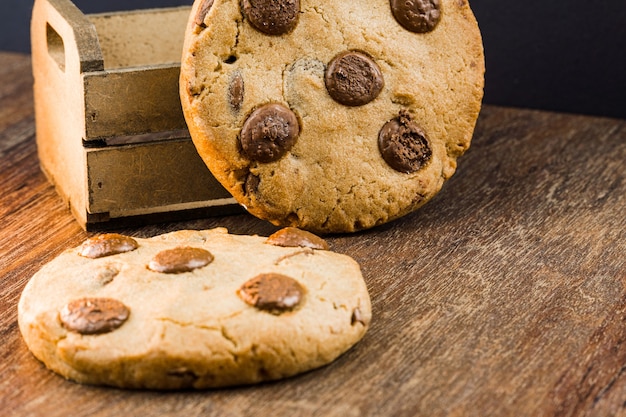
(111, 135)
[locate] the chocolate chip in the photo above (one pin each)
(353, 78)
(181, 259)
(272, 17)
(106, 274)
(357, 317)
(203, 10)
(272, 292)
(269, 132)
(107, 244)
(251, 185)
(403, 145)
(94, 315)
(236, 91)
(185, 376)
(419, 16)
(293, 237)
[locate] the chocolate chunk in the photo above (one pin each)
(181, 259)
(357, 317)
(272, 17)
(353, 78)
(203, 10)
(272, 292)
(293, 237)
(236, 91)
(185, 376)
(269, 132)
(106, 274)
(94, 315)
(251, 184)
(419, 16)
(107, 244)
(403, 145)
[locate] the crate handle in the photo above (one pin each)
(70, 38)
(56, 48)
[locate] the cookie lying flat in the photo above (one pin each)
(194, 309)
(332, 116)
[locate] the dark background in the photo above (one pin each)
(563, 55)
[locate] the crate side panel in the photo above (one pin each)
(129, 102)
(141, 37)
(141, 178)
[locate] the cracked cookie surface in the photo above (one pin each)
(342, 71)
(241, 310)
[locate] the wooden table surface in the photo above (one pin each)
(504, 296)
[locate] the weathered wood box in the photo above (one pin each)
(111, 135)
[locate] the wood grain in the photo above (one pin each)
(504, 296)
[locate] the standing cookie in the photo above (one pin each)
(194, 309)
(332, 116)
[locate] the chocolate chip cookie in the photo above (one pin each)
(194, 309)
(332, 116)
